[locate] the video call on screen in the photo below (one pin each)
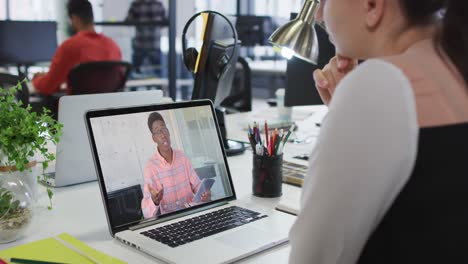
(137, 175)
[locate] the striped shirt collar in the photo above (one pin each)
(160, 158)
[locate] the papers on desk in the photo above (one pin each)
(293, 173)
(290, 208)
(62, 249)
(290, 203)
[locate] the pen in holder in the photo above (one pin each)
(267, 175)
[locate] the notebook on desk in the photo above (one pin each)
(293, 174)
(74, 162)
(62, 248)
(127, 144)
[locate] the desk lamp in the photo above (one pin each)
(298, 37)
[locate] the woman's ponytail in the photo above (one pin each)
(454, 34)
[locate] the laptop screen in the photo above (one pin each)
(155, 161)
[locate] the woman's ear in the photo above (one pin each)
(373, 11)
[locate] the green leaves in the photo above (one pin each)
(24, 133)
(5, 202)
(50, 194)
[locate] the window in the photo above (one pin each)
(224, 7)
(3, 9)
(276, 8)
(41, 9)
(33, 10)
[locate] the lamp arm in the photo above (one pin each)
(308, 11)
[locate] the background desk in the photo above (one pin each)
(161, 82)
(268, 67)
(158, 82)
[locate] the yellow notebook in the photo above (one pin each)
(51, 249)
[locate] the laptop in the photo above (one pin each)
(74, 163)
(174, 229)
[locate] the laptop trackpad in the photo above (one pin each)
(247, 238)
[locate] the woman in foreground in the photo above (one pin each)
(388, 180)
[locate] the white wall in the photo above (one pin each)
(125, 145)
(132, 143)
(3, 9)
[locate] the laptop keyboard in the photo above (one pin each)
(205, 225)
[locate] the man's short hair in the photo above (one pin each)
(82, 9)
(153, 117)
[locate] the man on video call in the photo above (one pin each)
(170, 180)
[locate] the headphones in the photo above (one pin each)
(190, 55)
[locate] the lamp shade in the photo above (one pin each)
(298, 37)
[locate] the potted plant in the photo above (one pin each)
(23, 134)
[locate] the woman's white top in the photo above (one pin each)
(363, 157)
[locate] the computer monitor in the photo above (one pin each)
(254, 30)
(300, 84)
(210, 82)
(27, 42)
(213, 74)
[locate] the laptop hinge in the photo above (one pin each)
(165, 219)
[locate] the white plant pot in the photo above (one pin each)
(15, 220)
(28, 176)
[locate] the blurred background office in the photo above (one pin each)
(160, 65)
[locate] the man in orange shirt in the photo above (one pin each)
(85, 46)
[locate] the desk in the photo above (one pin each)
(304, 137)
(78, 210)
(33, 91)
(164, 82)
(268, 67)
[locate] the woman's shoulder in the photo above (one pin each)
(374, 84)
(375, 73)
(412, 62)
(407, 64)
(380, 65)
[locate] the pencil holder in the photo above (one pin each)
(267, 173)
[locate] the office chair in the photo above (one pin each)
(99, 77)
(125, 204)
(9, 80)
(240, 98)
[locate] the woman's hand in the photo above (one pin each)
(328, 78)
